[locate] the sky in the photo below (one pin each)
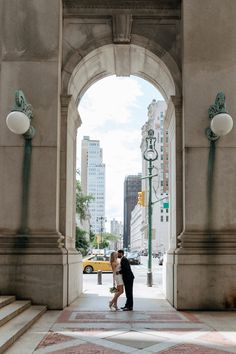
(113, 110)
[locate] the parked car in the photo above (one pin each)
(134, 257)
(96, 262)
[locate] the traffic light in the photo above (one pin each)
(141, 198)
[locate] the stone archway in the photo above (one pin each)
(53, 63)
(60, 35)
(121, 60)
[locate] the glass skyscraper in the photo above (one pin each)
(93, 180)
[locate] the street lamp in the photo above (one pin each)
(221, 121)
(19, 122)
(150, 155)
(102, 219)
(221, 124)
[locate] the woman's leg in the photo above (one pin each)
(120, 290)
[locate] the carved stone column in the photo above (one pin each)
(70, 121)
(173, 123)
(205, 256)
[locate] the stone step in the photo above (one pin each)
(14, 328)
(5, 300)
(12, 310)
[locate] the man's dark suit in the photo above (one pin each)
(128, 279)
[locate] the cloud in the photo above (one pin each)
(113, 111)
(109, 100)
(122, 157)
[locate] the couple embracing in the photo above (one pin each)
(123, 277)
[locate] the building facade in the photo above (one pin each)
(137, 242)
(93, 181)
(116, 228)
(132, 185)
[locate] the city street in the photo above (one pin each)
(90, 281)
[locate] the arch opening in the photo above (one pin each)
(119, 60)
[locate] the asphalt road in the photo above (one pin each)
(90, 281)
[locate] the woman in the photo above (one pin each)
(117, 280)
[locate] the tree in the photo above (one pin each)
(106, 237)
(82, 201)
(81, 243)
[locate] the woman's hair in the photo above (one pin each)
(113, 256)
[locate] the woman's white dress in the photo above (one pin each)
(118, 277)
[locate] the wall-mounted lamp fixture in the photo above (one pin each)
(19, 119)
(221, 124)
(19, 122)
(221, 121)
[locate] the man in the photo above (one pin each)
(128, 279)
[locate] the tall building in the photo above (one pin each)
(137, 243)
(93, 180)
(132, 185)
(116, 228)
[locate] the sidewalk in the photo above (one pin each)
(88, 326)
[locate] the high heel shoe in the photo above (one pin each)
(115, 307)
(110, 304)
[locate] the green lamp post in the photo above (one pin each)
(150, 154)
(102, 219)
(19, 122)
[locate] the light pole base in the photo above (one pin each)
(149, 279)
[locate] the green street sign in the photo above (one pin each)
(166, 205)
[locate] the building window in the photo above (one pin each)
(167, 218)
(161, 218)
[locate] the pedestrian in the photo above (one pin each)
(128, 279)
(117, 280)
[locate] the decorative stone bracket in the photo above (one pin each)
(121, 26)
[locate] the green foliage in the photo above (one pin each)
(92, 236)
(109, 236)
(81, 243)
(106, 237)
(82, 202)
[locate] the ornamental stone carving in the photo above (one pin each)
(121, 28)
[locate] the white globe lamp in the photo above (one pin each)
(221, 124)
(18, 122)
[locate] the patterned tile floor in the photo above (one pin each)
(159, 331)
(89, 327)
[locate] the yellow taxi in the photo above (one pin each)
(96, 262)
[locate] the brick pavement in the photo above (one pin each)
(154, 327)
(162, 330)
